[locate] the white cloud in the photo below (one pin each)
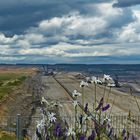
(34, 38)
(7, 40)
(6, 50)
(23, 44)
(131, 32)
(67, 50)
(72, 24)
(77, 35)
(106, 10)
(11, 58)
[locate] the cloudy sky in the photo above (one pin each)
(70, 31)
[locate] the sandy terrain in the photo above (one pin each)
(122, 102)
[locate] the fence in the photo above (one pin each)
(19, 125)
(131, 124)
(22, 125)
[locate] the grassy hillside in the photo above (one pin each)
(10, 79)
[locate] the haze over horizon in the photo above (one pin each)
(63, 31)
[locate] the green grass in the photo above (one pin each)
(5, 90)
(7, 138)
(10, 76)
(8, 81)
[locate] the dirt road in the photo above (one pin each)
(55, 92)
(121, 102)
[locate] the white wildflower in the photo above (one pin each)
(51, 117)
(83, 83)
(43, 100)
(56, 104)
(107, 77)
(70, 132)
(111, 85)
(75, 103)
(107, 119)
(86, 117)
(40, 125)
(95, 80)
(98, 81)
(75, 93)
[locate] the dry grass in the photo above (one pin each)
(7, 136)
(11, 77)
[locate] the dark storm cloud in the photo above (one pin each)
(126, 3)
(16, 16)
(17, 19)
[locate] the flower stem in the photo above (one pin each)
(95, 96)
(104, 93)
(75, 117)
(108, 95)
(99, 135)
(83, 99)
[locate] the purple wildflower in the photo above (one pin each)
(47, 138)
(92, 136)
(81, 119)
(110, 132)
(82, 137)
(38, 134)
(133, 137)
(105, 108)
(86, 107)
(124, 138)
(108, 125)
(123, 132)
(58, 131)
(72, 137)
(97, 129)
(100, 104)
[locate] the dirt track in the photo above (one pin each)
(55, 92)
(122, 102)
